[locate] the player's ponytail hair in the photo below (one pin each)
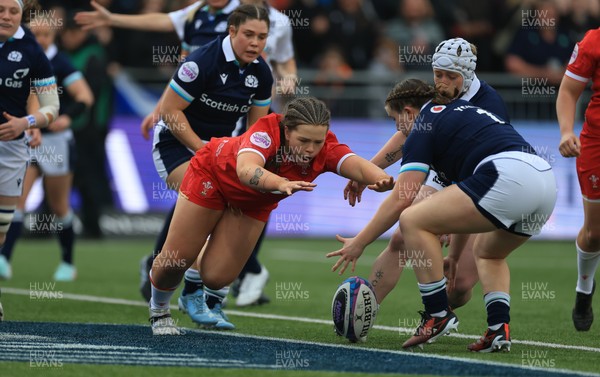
(414, 93)
(246, 12)
(305, 110)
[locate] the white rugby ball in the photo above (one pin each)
(354, 308)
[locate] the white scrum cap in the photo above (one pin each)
(456, 55)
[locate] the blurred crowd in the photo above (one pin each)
(532, 38)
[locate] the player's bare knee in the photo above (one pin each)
(592, 238)
(396, 242)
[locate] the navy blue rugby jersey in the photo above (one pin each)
(452, 139)
(65, 74)
(218, 90)
(23, 66)
(196, 27)
(482, 95)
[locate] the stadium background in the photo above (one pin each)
(350, 69)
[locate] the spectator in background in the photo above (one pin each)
(386, 63)
(542, 46)
(416, 32)
(333, 71)
(581, 16)
(477, 21)
(90, 130)
(353, 26)
(141, 48)
(308, 41)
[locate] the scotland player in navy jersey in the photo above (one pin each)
(453, 63)
(196, 25)
(216, 85)
(53, 157)
(503, 191)
(23, 68)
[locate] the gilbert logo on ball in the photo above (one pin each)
(354, 309)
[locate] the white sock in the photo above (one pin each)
(160, 298)
(495, 327)
(586, 268)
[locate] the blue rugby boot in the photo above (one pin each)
(194, 305)
(223, 321)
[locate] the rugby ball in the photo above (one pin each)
(354, 308)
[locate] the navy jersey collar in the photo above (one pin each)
(228, 51)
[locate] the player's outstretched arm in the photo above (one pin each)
(362, 171)
(251, 172)
(566, 102)
(101, 16)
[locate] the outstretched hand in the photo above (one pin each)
(383, 185)
(350, 252)
(353, 192)
(290, 187)
(94, 19)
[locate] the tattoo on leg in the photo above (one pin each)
(257, 174)
(378, 276)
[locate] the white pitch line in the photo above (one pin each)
(120, 301)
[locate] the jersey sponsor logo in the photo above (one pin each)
(188, 72)
(261, 139)
(15, 56)
(221, 27)
(574, 54)
(224, 77)
(438, 109)
(251, 81)
(223, 106)
(20, 73)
